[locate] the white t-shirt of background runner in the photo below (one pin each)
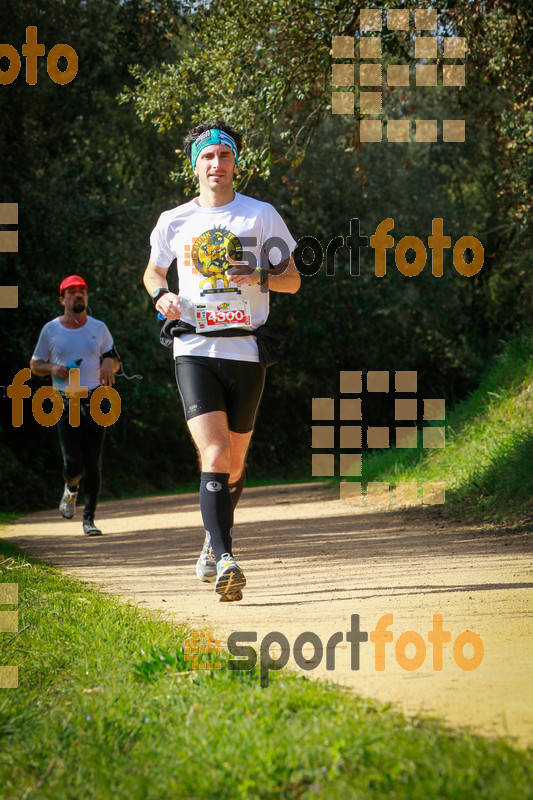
(61, 345)
(199, 239)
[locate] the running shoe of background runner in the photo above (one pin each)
(230, 577)
(67, 506)
(90, 529)
(206, 566)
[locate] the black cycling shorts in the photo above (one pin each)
(220, 384)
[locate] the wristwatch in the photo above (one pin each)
(157, 293)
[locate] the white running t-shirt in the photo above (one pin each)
(60, 345)
(199, 239)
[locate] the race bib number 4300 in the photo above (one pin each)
(218, 316)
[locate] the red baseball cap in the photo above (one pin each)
(71, 280)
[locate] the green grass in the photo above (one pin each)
(107, 708)
(488, 458)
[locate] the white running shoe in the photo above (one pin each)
(67, 506)
(230, 577)
(206, 566)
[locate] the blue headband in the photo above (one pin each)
(212, 136)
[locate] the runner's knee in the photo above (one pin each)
(215, 458)
(235, 473)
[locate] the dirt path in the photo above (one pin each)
(311, 562)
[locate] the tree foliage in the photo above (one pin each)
(91, 173)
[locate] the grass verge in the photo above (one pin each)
(486, 463)
(107, 707)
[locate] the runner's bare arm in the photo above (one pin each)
(156, 278)
(42, 368)
(286, 277)
(282, 278)
(108, 367)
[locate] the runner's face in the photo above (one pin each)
(75, 299)
(215, 166)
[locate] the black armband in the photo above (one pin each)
(110, 354)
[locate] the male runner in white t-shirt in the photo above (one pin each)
(231, 250)
(75, 339)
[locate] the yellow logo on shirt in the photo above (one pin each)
(209, 254)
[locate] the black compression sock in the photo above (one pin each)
(236, 488)
(217, 510)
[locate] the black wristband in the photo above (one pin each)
(158, 293)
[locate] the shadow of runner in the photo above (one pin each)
(384, 537)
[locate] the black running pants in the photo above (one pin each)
(82, 448)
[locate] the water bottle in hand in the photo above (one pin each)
(70, 366)
(181, 304)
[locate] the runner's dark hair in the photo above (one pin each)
(207, 126)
